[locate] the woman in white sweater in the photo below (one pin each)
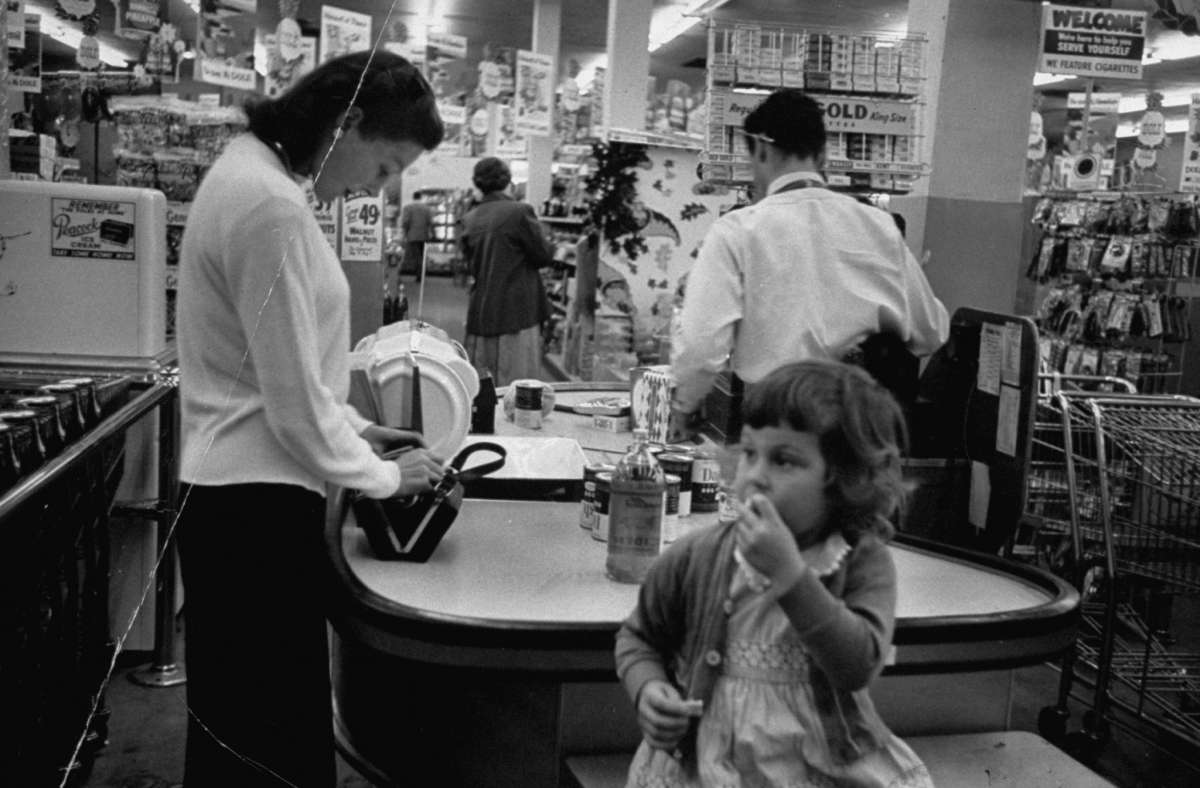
(264, 337)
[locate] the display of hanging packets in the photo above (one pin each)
(1153, 311)
(1116, 254)
(1139, 253)
(1070, 214)
(1078, 253)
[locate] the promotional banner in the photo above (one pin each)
(225, 43)
(1090, 42)
(1189, 179)
(362, 229)
(535, 92)
(137, 19)
(343, 32)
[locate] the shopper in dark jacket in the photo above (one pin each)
(504, 247)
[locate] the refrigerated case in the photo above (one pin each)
(83, 288)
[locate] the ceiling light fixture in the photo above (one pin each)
(670, 22)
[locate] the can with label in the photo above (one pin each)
(603, 496)
(670, 520)
(587, 518)
(706, 481)
(528, 405)
(681, 466)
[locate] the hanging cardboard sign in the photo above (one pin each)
(15, 32)
(343, 32)
(326, 214)
(225, 43)
(1189, 179)
(535, 92)
(283, 72)
(25, 64)
(138, 19)
(362, 229)
(1091, 42)
(76, 10)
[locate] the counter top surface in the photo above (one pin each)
(529, 564)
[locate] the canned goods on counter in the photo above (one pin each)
(670, 520)
(587, 518)
(528, 407)
(706, 481)
(603, 496)
(681, 466)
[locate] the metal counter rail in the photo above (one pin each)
(56, 646)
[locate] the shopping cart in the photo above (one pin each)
(1114, 502)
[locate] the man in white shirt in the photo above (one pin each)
(804, 272)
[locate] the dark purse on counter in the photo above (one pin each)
(409, 529)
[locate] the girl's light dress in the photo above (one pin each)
(761, 727)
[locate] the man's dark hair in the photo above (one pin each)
(397, 103)
(792, 120)
(491, 175)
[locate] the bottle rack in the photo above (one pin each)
(1119, 272)
(870, 84)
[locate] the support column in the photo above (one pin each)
(4, 110)
(968, 213)
(547, 28)
(628, 47)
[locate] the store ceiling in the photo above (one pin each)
(584, 24)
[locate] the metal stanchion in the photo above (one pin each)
(164, 670)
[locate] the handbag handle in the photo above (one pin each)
(483, 469)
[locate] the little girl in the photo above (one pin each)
(753, 642)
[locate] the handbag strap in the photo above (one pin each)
(483, 469)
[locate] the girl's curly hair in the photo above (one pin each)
(860, 429)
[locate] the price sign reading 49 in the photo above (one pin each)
(362, 229)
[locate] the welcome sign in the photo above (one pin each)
(1091, 42)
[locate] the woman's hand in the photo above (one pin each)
(664, 716)
(419, 472)
(767, 544)
(383, 438)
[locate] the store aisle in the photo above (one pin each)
(445, 303)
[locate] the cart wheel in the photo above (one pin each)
(1052, 723)
(1082, 746)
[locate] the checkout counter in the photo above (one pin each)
(492, 662)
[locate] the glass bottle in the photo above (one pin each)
(635, 512)
(483, 408)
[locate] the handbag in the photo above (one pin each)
(410, 528)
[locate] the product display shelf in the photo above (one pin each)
(870, 85)
(563, 233)
(1118, 273)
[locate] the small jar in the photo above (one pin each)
(10, 464)
(75, 422)
(91, 399)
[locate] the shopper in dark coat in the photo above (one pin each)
(504, 247)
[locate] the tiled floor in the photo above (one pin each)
(147, 726)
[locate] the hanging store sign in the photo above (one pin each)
(1090, 42)
(842, 113)
(535, 92)
(15, 33)
(1189, 179)
(343, 32)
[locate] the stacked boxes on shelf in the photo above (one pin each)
(869, 85)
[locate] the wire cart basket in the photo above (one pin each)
(1113, 504)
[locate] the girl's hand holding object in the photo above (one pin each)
(766, 544)
(663, 715)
